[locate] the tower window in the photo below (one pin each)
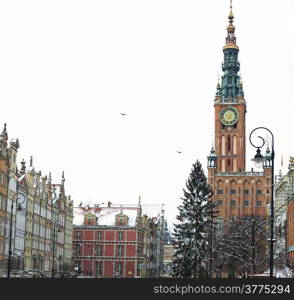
(220, 192)
(233, 203)
(229, 165)
(246, 192)
(233, 192)
(258, 192)
(246, 203)
(258, 203)
(229, 143)
(220, 202)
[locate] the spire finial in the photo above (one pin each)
(218, 81)
(231, 39)
(62, 178)
(4, 131)
(240, 80)
(231, 15)
(23, 166)
(31, 161)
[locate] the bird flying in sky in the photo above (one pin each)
(179, 151)
(123, 114)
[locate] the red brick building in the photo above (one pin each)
(109, 241)
(237, 192)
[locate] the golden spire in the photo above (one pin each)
(231, 39)
(231, 16)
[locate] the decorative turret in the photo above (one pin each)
(49, 178)
(211, 159)
(3, 136)
(139, 213)
(231, 86)
(62, 178)
(218, 89)
(62, 189)
(291, 163)
(31, 168)
(23, 167)
(3, 143)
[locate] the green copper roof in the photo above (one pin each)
(230, 86)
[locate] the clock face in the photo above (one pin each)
(229, 116)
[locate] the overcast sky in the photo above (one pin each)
(68, 68)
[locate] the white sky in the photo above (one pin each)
(67, 68)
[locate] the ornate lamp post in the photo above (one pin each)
(270, 160)
(14, 198)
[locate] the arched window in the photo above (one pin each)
(234, 144)
(235, 165)
(223, 145)
(223, 165)
(90, 219)
(229, 165)
(229, 143)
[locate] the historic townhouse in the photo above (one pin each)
(284, 214)
(117, 241)
(4, 165)
(42, 215)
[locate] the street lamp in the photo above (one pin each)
(259, 159)
(14, 198)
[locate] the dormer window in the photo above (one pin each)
(121, 220)
(90, 219)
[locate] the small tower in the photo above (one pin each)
(13, 148)
(3, 138)
(211, 158)
(31, 168)
(23, 167)
(139, 214)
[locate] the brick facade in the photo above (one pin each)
(125, 247)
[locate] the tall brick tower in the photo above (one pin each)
(236, 191)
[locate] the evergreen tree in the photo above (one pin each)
(190, 234)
